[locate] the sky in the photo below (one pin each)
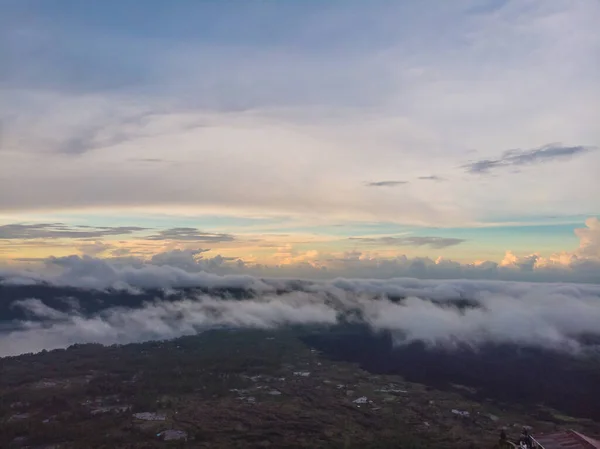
(419, 138)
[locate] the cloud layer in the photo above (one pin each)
(547, 315)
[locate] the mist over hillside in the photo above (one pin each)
(521, 343)
(98, 302)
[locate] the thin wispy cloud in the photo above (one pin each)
(86, 141)
(431, 178)
(190, 234)
(62, 231)
(385, 183)
(433, 242)
(150, 160)
(515, 158)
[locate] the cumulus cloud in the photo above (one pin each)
(583, 262)
(433, 242)
(517, 268)
(61, 230)
(589, 238)
(528, 267)
(548, 315)
(513, 158)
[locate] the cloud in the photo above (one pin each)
(189, 267)
(433, 242)
(431, 178)
(151, 160)
(546, 315)
(420, 86)
(584, 260)
(529, 267)
(87, 140)
(131, 273)
(413, 298)
(119, 252)
(100, 126)
(190, 260)
(589, 238)
(95, 248)
(386, 183)
(60, 230)
(514, 158)
(160, 320)
(191, 234)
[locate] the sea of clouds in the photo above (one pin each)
(437, 312)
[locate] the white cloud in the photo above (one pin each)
(548, 315)
(584, 261)
(132, 274)
(589, 237)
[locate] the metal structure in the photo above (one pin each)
(569, 439)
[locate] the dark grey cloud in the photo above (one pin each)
(190, 234)
(431, 178)
(61, 230)
(433, 242)
(385, 183)
(515, 158)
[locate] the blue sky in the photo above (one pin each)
(459, 130)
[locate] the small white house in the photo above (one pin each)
(361, 400)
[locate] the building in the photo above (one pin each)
(566, 440)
